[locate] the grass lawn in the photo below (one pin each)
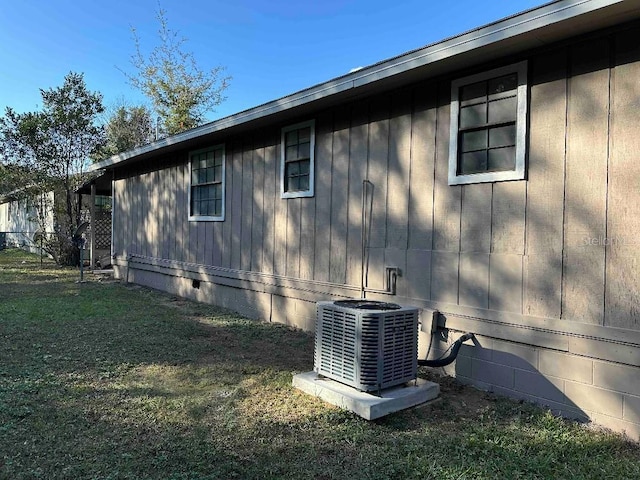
(103, 380)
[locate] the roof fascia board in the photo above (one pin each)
(510, 27)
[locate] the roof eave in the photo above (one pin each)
(535, 27)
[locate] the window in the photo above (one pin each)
(103, 203)
(206, 195)
(488, 126)
(297, 167)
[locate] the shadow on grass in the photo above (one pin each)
(104, 380)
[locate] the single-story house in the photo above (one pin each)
(492, 177)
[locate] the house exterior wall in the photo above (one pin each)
(545, 270)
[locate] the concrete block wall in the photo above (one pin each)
(571, 385)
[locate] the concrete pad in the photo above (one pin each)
(366, 405)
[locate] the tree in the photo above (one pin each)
(181, 93)
(126, 127)
(51, 149)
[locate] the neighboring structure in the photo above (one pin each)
(22, 218)
(495, 176)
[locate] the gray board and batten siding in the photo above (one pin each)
(544, 270)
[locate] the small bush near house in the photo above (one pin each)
(104, 380)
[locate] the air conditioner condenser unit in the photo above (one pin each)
(365, 344)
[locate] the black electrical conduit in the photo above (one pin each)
(444, 361)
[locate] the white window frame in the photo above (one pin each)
(312, 148)
(208, 218)
(518, 173)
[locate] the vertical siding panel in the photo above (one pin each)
(246, 220)
(138, 225)
(623, 222)
(271, 196)
(324, 144)
(307, 235)
(236, 206)
(357, 173)
(446, 211)
(508, 217)
(292, 223)
(423, 148)
(126, 213)
(446, 199)
(339, 197)
(474, 279)
(378, 164)
(475, 244)
(505, 282)
(545, 186)
(171, 204)
(507, 246)
(228, 215)
(475, 222)
(201, 229)
(280, 222)
(423, 145)
(257, 225)
(585, 183)
(183, 211)
(152, 213)
(146, 213)
(399, 170)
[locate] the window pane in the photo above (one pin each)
(304, 182)
(194, 176)
(502, 136)
(291, 138)
(504, 84)
(474, 93)
(293, 184)
(474, 162)
(202, 176)
(304, 150)
(474, 140)
(292, 152)
(195, 207)
(210, 156)
(219, 207)
(304, 135)
(210, 175)
(293, 169)
(503, 110)
(304, 167)
(473, 116)
(502, 159)
(217, 191)
(217, 173)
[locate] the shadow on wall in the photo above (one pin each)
(509, 369)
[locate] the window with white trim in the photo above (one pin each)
(489, 126)
(297, 160)
(206, 192)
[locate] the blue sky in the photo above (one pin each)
(270, 48)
